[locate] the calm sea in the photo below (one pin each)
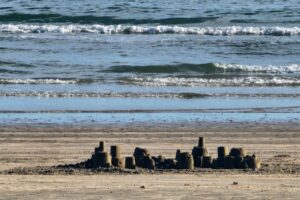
(94, 62)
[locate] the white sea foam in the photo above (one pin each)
(218, 82)
(133, 29)
(82, 94)
(90, 94)
(37, 81)
(293, 68)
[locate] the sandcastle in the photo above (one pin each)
(236, 158)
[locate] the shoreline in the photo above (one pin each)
(181, 126)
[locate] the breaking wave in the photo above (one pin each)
(206, 68)
(37, 81)
(181, 95)
(64, 94)
(293, 68)
(217, 82)
(140, 29)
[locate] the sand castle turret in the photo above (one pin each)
(199, 152)
(143, 158)
(130, 162)
(237, 158)
(101, 159)
(222, 152)
(185, 161)
(116, 159)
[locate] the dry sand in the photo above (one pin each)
(44, 147)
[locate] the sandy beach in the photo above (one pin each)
(159, 75)
(28, 157)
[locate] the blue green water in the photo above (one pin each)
(58, 58)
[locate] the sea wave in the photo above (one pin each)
(68, 94)
(38, 81)
(180, 95)
(206, 82)
(91, 19)
(9, 71)
(292, 68)
(206, 68)
(171, 81)
(140, 29)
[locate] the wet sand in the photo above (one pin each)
(42, 147)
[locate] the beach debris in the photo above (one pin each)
(236, 158)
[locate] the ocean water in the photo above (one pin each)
(95, 62)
